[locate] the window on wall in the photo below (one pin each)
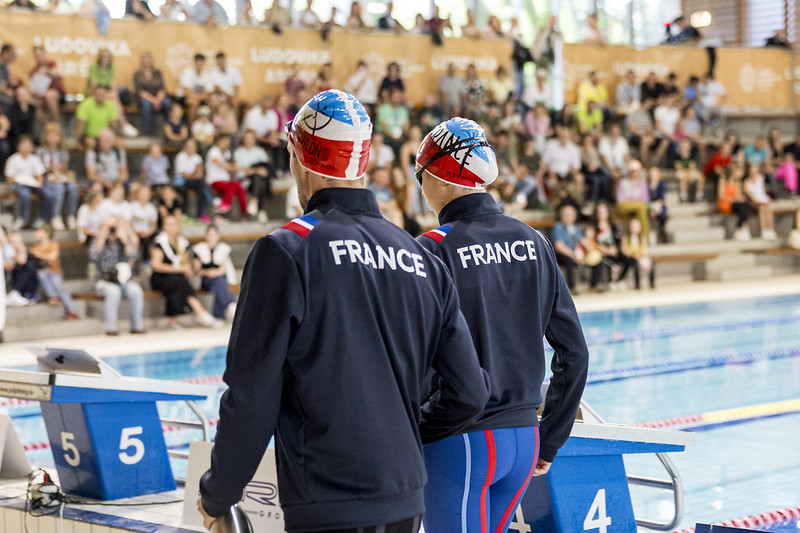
(761, 21)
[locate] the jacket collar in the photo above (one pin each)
(357, 201)
(470, 205)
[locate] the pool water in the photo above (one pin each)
(647, 364)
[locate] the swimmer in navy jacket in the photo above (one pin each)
(512, 294)
(341, 318)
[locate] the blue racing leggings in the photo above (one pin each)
(476, 480)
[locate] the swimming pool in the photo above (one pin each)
(729, 370)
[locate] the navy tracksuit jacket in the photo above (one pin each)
(340, 319)
(512, 294)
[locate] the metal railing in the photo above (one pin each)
(673, 484)
(201, 423)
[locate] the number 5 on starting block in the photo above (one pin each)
(108, 450)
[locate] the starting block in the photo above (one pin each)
(587, 488)
(104, 429)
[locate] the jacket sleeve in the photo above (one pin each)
(570, 365)
(463, 386)
(270, 306)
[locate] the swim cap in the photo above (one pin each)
(457, 152)
(331, 136)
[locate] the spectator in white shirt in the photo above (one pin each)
(195, 85)
(667, 117)
(561, 161)
(227, 81)
(189, 177)
(380, 154)
(711, 98)
(363, 87)
(307, 18)
(614, 152)
(26, 171)
(254, 170)
(590, 34)
(538, 91)
(144, 219)
(115, 206)
(262, 120)
(107, 164)
(90, 216)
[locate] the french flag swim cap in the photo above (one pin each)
(458, 153)
(331, 136)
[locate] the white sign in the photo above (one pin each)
(260, 498)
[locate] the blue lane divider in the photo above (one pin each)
(622, 336)
(617, 374)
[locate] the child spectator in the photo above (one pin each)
(189, 177)
(203, 129)
(169, 204)
(107, 164)
(634, 244)
(26, 171)
(787, 172)
(144, 219)
(254, 172)
(756, 191)
(24, 284)
(155, 168)
(48, 259)
(90, 216)
(592, 258)
(212, 261)
(731, 200)
(218, 175)
(537, 124)
(57, 178)
(688, 173)
(175, 129)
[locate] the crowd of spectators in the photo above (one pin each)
(598, 166)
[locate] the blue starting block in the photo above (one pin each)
(587, 488)
(104, 429)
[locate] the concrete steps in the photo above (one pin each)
(707, 234)
(38, 330)
(731, 274)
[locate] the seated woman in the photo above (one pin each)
(48, 259)
(171, 271)
(21, 266)
(212, 261)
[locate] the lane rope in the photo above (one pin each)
(622, 336)
(616, 374)
(756, 520)
(724, 416)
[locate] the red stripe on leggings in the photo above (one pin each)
(491, 451)
(518, 495)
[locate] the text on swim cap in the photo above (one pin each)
(495, 252)
(379, 259)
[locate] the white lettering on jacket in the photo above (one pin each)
(496, 253)
(353, 252)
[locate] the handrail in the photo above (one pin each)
(674, 484)
(202, 423)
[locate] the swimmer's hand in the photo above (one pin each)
(542, 467)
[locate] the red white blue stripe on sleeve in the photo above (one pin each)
(438, 234)
(302, 225)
